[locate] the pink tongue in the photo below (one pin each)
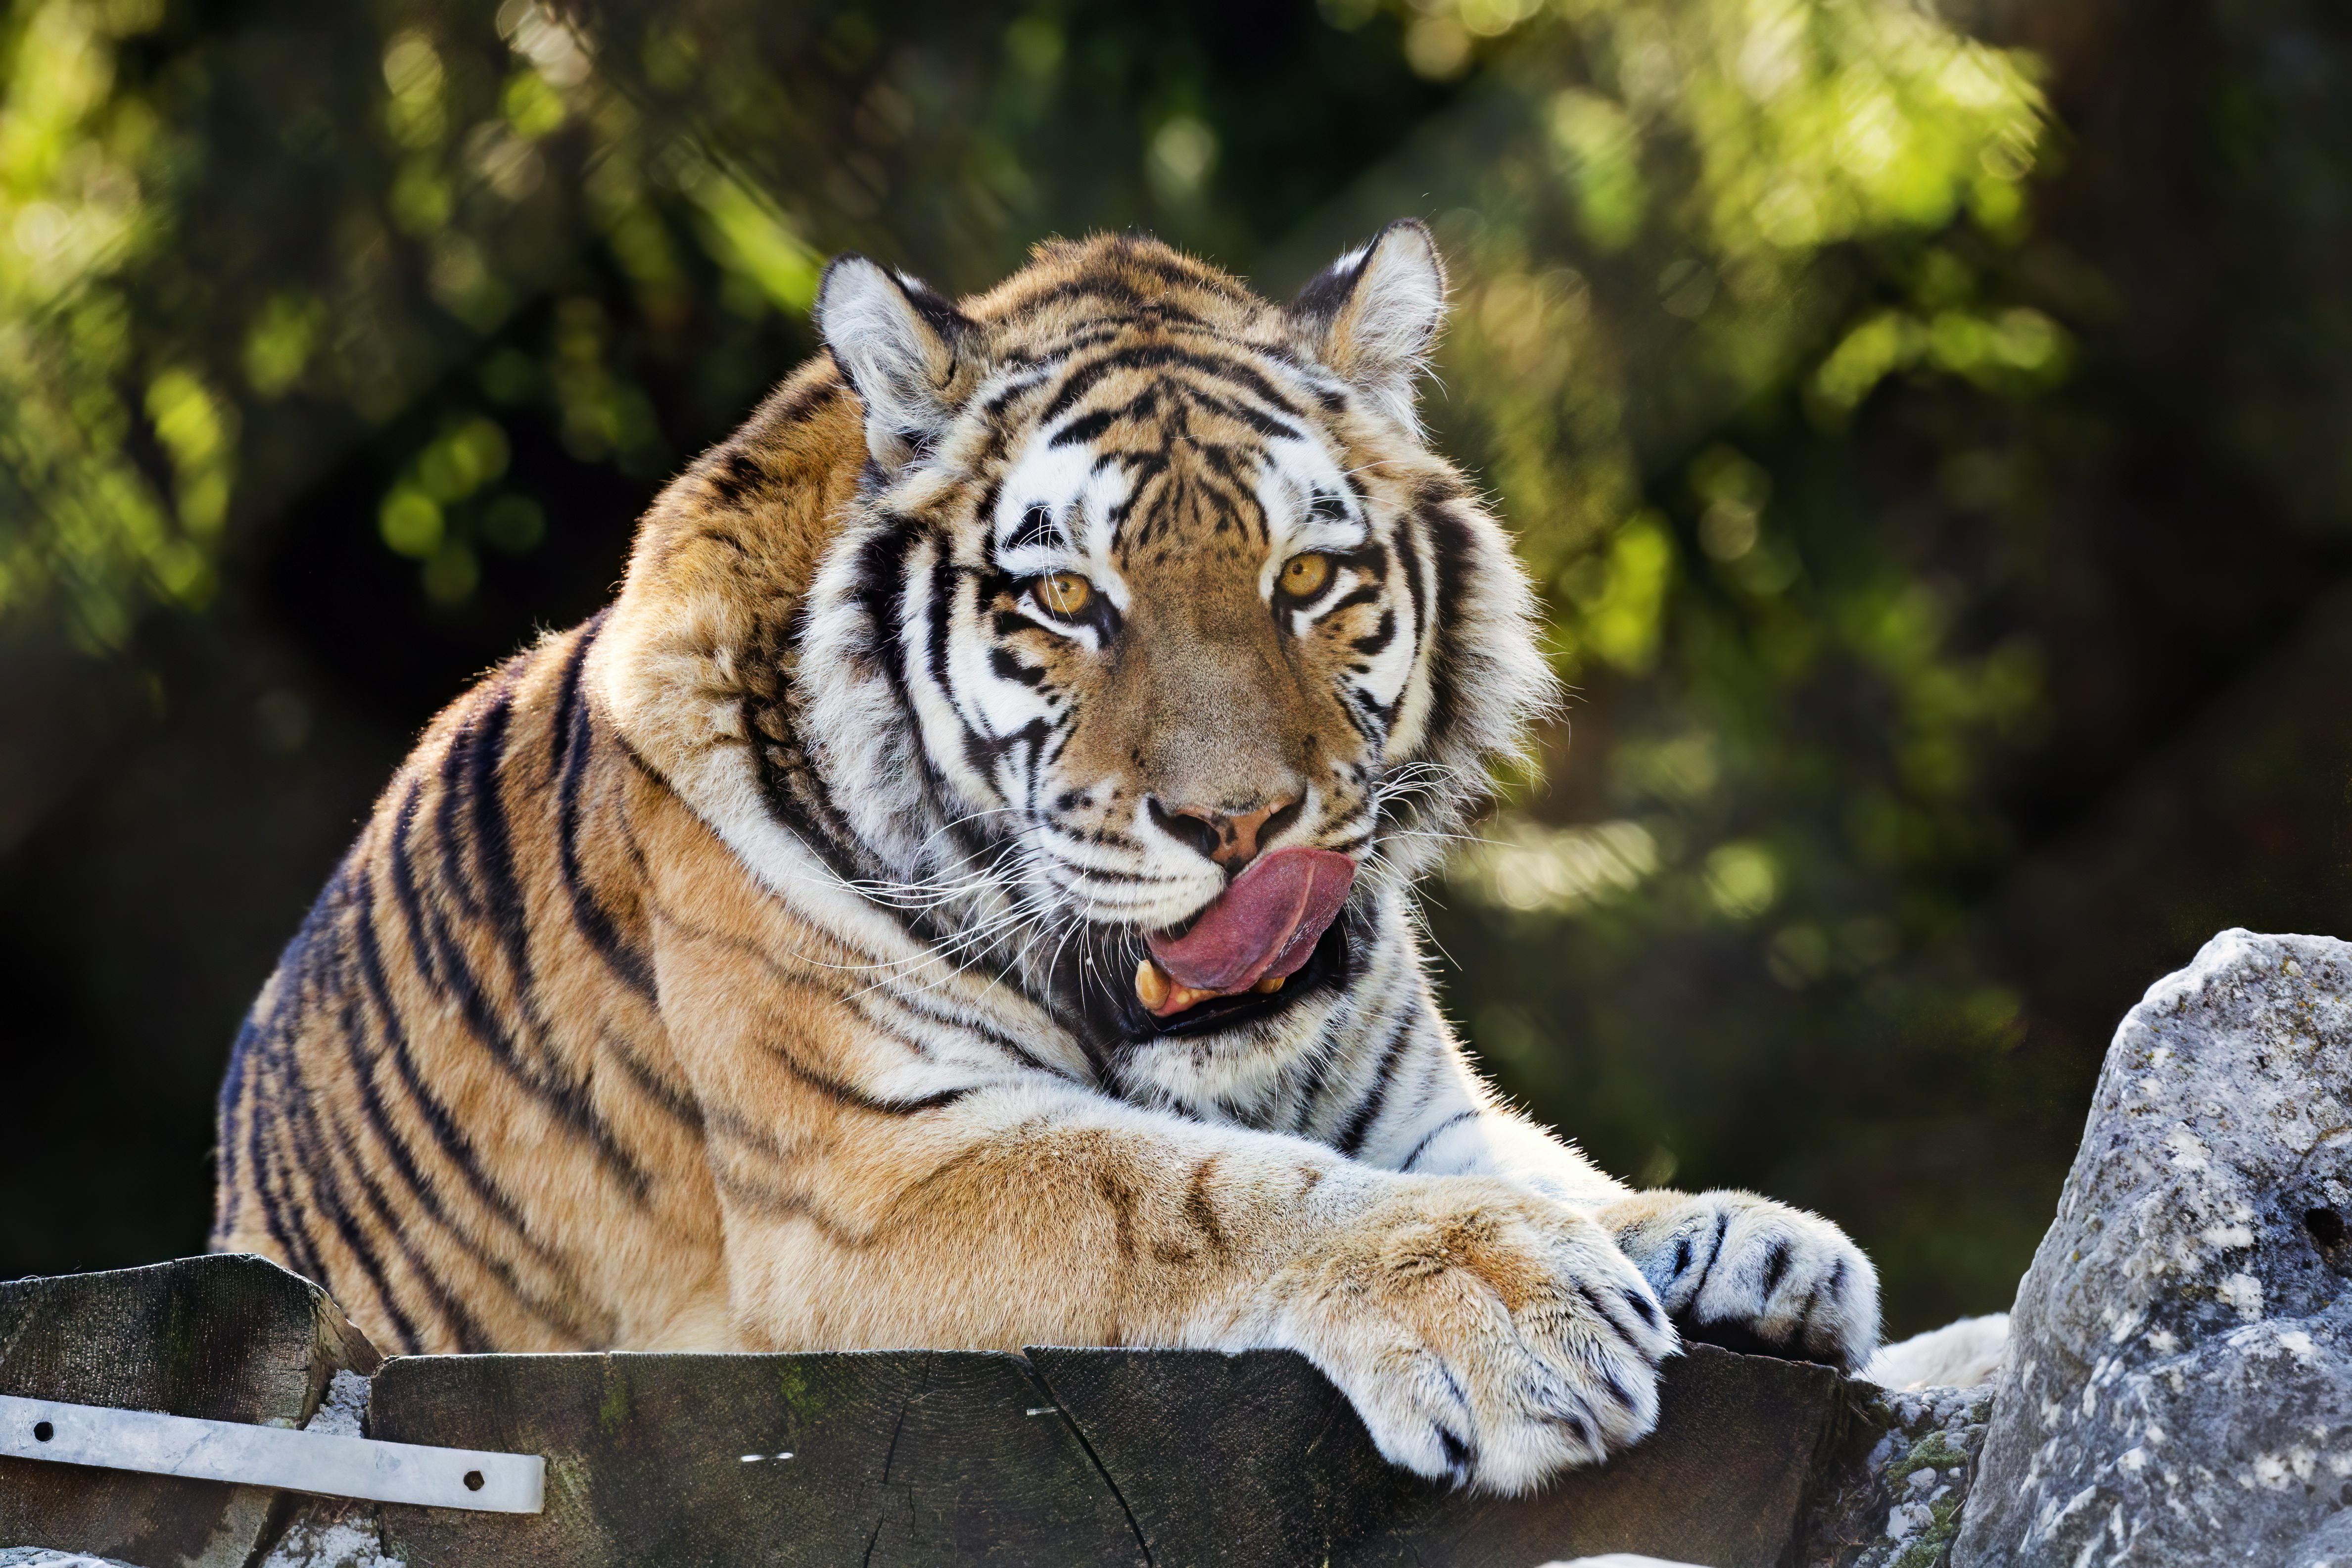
(1266, 923)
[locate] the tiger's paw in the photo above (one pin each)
(1748, 1274)
(1486, 1336)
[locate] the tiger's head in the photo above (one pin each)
(1153, 651)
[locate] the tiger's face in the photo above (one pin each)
(1193, 641)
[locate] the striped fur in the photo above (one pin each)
(749, 967)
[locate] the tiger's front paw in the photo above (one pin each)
(1486, 1336)
(1748, 1274)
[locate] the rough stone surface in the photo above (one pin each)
(1900, 1505)
(2329, 1546)
(2179, 1385)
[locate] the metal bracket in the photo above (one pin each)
(270, 1456)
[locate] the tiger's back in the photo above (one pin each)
(454, 1104)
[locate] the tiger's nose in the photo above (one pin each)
(1231, 839)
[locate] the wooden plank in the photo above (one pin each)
(910, 1458)
(1255, 1460)
(1072, 1456)
(226, 1338)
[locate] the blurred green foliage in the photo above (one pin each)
(1650, 189)
(1814, 355)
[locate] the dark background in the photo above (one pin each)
(1952, 558)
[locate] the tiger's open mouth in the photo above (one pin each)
(1326, 966)
(1256, 941)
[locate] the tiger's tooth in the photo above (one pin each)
(1269, 986)
(1151, 984)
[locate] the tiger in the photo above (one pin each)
(960, 894)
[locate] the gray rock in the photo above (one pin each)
(1899, 1505)
(2180, 1379)
(2329, 1546)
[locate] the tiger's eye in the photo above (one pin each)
(1303, 576)
(1064, 593)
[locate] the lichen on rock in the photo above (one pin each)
(1901, 1506)
(2181, 1349)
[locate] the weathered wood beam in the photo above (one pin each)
(224, 1338)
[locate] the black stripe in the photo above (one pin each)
(566, 1098)
(257, 1171)
(984, 752)
(683, 1108)
(881, 597)
(1011, 393)
(937, 616)
(327, 1198)
(281, 1212)
(477, 756)
(1359, 1125)
(851, 1095)
(1036, 527)
(422, 1187)
(1161, 356)
(249, 1069)
(471, 765)
(918, 1003)
(1408, 548)
(448, 1138)
(463, 1329)
(1430, 1137)
(1257, 419)
(1086, 428)
(1004, 666)
(406, 892)
(388, 1138)
(1119, 295)
(449, 834)
(731, 474)
(572, 740)
(1450, 544)
(791, 404)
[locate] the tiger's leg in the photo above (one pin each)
(1732, 1268)
(1485, 1335)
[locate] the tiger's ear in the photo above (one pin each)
(1372, 314)
(901, 345)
